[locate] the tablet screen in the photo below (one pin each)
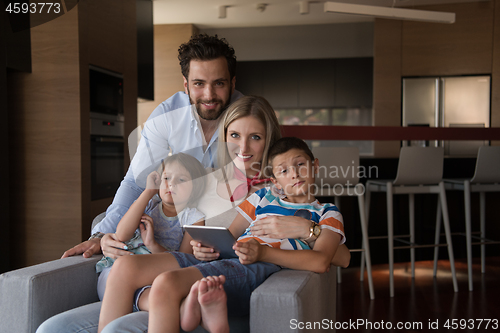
(219, 238)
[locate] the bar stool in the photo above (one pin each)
(486, 179)
(338, 176)
(420, 170)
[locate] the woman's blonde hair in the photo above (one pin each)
(254, 106)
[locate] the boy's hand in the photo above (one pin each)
(203, 253)
(153, 181)
(248, 252)
(147, 231)
(281, 227)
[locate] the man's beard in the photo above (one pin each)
(210, 114)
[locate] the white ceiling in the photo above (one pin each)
(243, 13)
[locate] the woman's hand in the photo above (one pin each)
(203, 253)
(112, 247)
(147, 231)
(282, 227)
(248, 252)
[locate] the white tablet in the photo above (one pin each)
(219, 238)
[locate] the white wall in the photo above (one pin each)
(346, 40)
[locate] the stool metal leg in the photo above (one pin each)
(482, 205)
(437, 235)
(446, 222)
(339, 269)
(412, 232)
(390, 232)
(468, 231)
(367, 215)
(366, 245)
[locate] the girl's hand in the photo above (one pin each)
(153, 181)
(281, 227)
(248, 252)
(203, 253)
(147, 231)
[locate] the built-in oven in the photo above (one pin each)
(106, 132)
(107, 154)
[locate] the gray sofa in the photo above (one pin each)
(285, 302)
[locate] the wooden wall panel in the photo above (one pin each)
(104, 25)
(85, 176)
(168, 77)
(50, 124)
(387, 81)
(46, 144)
(108, 39)
(495, 73)
(463, 47)
(129, 58)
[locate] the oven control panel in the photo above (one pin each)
(106, 125)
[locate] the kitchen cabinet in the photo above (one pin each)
(317, 83)
(280, 83)
(353, 82)
(312, 83)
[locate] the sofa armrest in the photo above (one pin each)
(289, 299)
(30, 295)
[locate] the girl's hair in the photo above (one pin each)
(196, 171)
(254, 106)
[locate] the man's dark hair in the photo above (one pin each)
(283, 145)
(205, 47)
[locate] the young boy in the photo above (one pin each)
(293, 174)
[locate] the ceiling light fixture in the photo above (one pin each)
(390, 13)
(304, 7)
(223, 11)
(261, 7)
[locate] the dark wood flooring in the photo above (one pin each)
(423, 304)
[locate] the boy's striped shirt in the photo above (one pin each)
(264, 203)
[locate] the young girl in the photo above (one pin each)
(154, 225)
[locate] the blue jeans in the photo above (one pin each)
(241, 280)
(85, 319)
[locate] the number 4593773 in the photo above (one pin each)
(471, 324)
(33, 8)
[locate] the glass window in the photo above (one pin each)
(330, 116)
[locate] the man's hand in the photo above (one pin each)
(203, 253)
(88, 248)
(112, 247)
(248, 252)
(281, 227)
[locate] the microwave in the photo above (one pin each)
(106, 91)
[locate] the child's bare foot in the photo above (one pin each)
(212, 300)
(190, 309)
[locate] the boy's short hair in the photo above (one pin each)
(283, 145)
